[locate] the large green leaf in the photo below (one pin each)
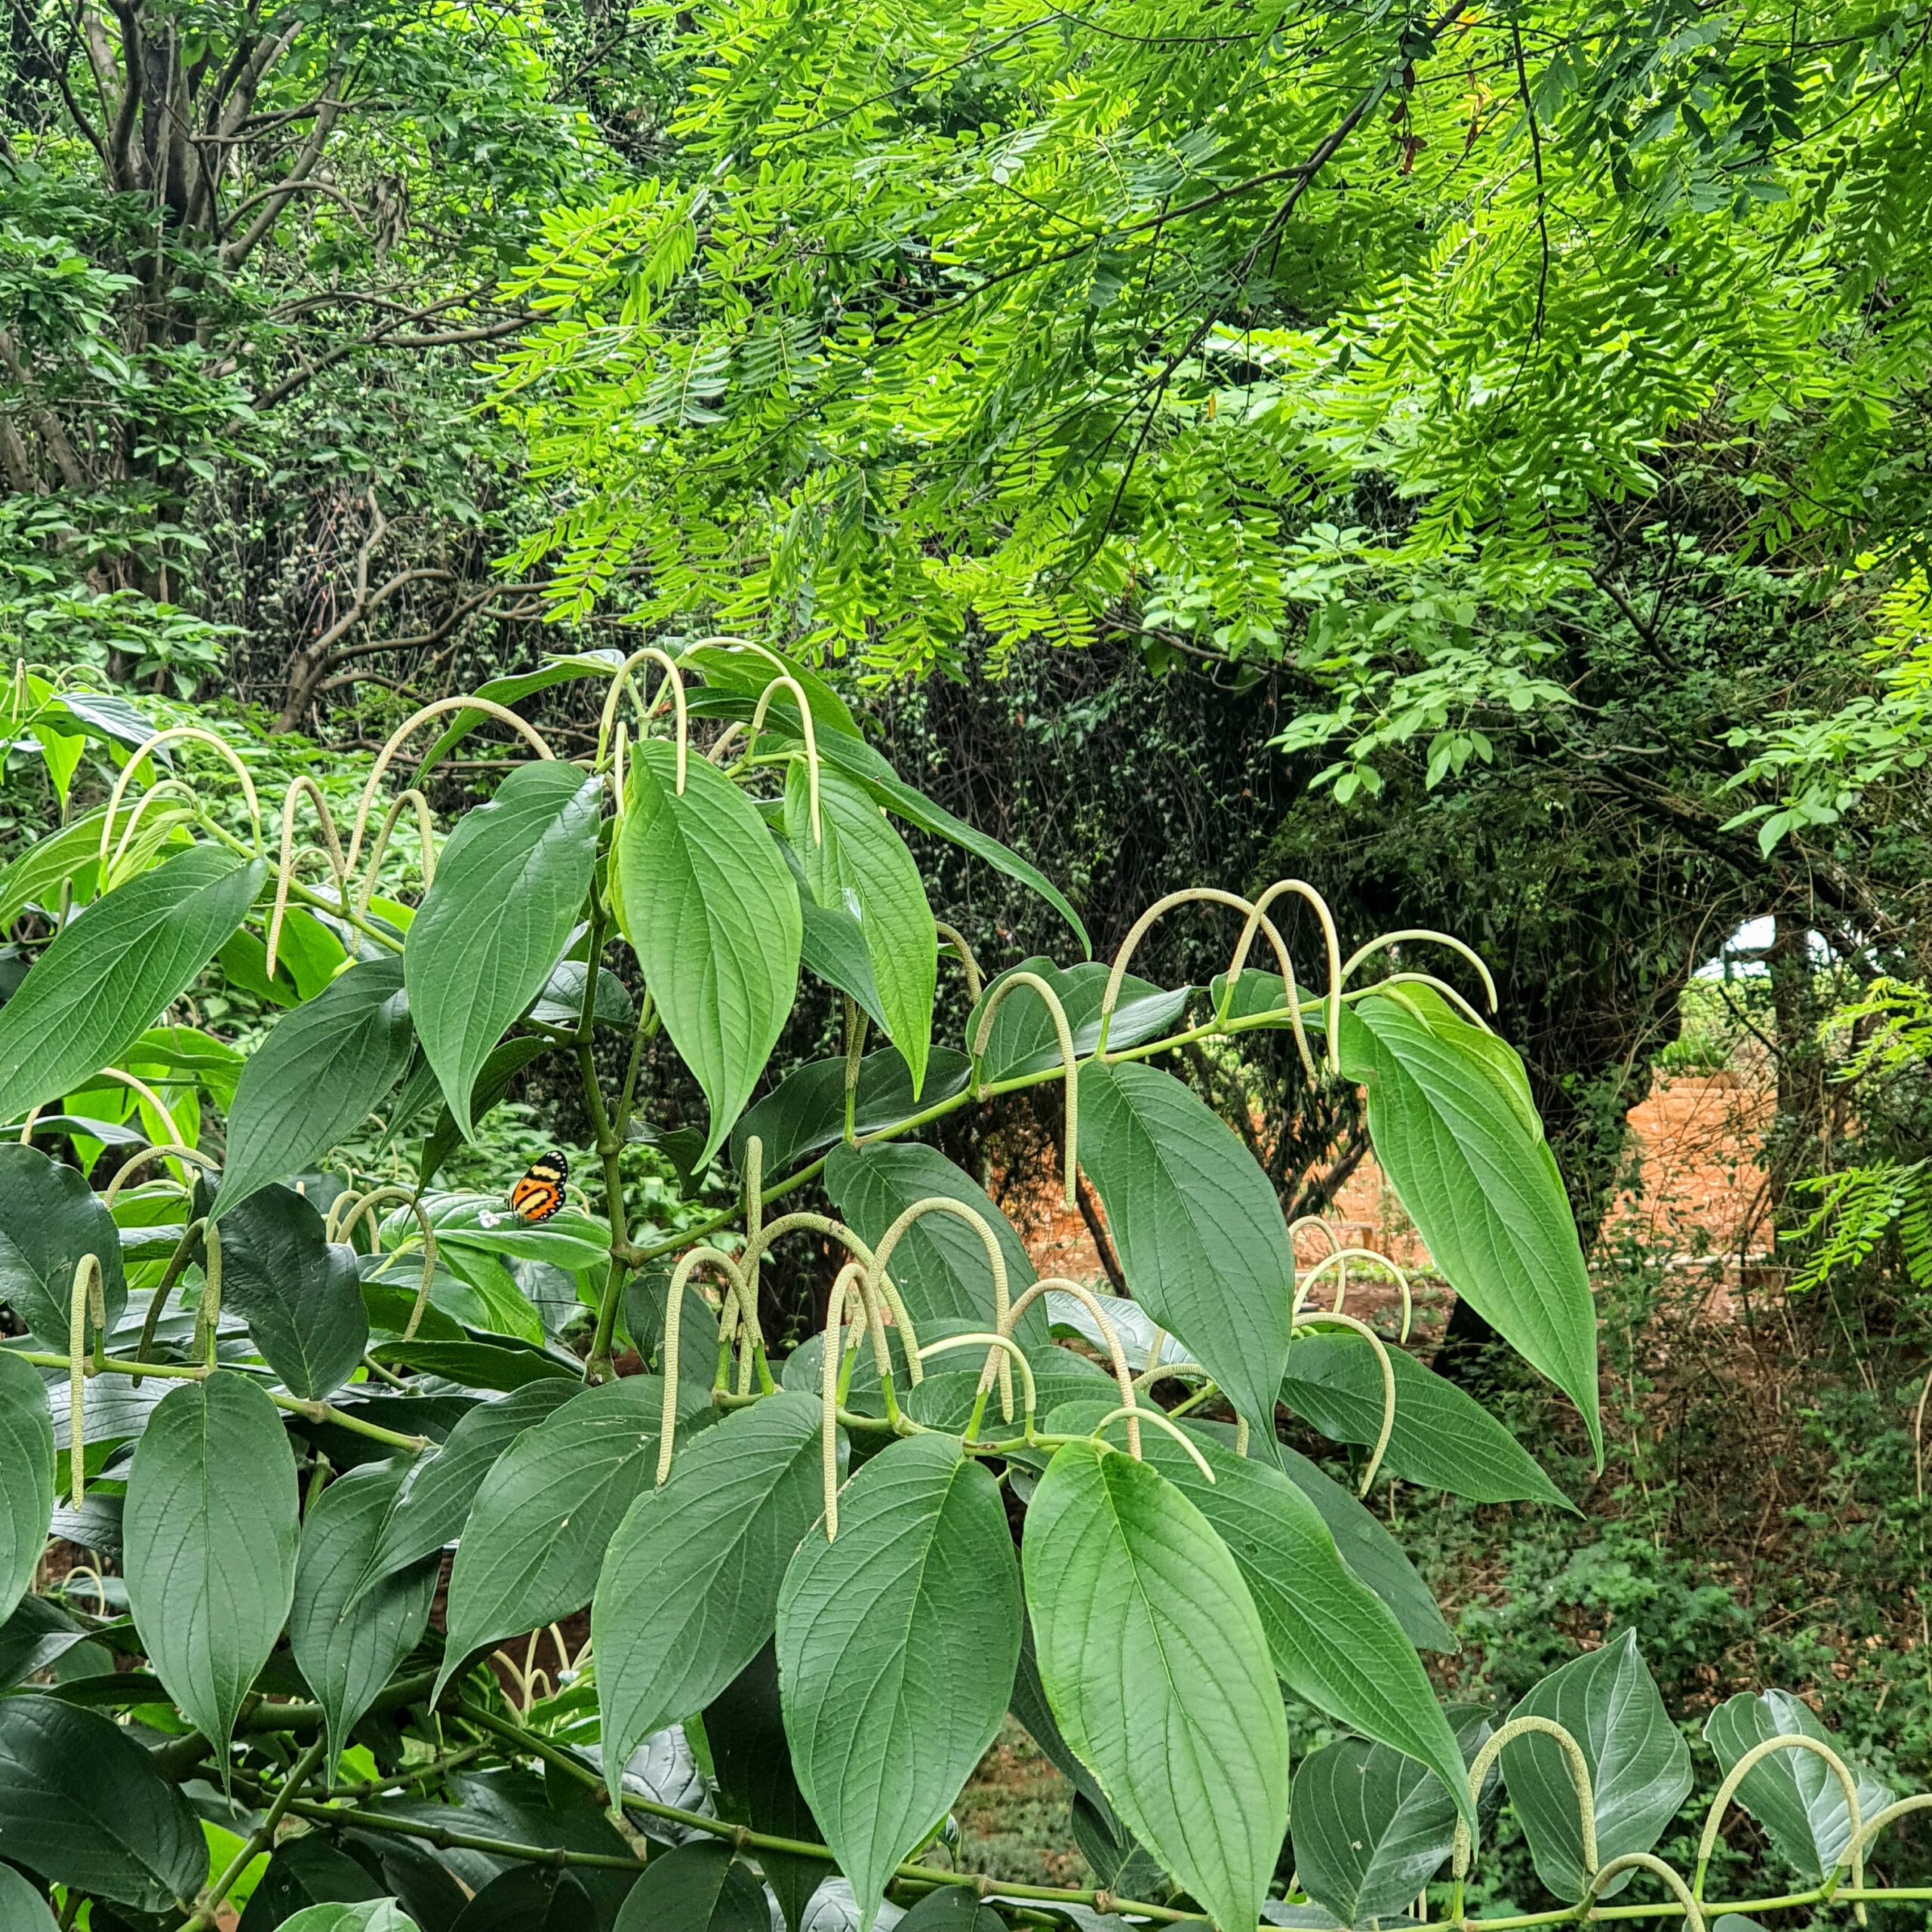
(209, 1534)
(345, 1646)
(689, 1591)
(1197, 1227)
(940, 1264)
(1640, 1765)
(26, 1477)
(106, 976)
(748, 672)
(697, 1888)
(744, 1726)
(804, 1113)
(1334, 1643)
(1371, 1553)
(35, 877)
(532, 1546)
(1157, 1667)
(300, 1293)
(832, 947)
(1442, 1438)
(711, 912)
(22, 1909)
(858, 865)
(508, 889)
(1794, 1794)
(1450, 1116)
(1023, 1038)
(896, 1646)
(952, 1908)
(317, 1076)
(1372, 1827)
(374, 1915)
(527, 1898)
(49, 1218)
(81, 1805)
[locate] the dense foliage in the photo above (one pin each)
(851, 1544)
(1477, 461)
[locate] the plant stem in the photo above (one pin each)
(446, 1839)
(258, 1841)
(747, 1840)
(182, 1371)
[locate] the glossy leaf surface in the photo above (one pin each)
(1450, 1115)
(1196, 1225)
(1640, 1765)
(315, 1077)
(346, 1649)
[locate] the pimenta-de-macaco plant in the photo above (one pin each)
(276, 1400)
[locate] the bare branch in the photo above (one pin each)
(237, 252)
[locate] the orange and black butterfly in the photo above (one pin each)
(541, 1192)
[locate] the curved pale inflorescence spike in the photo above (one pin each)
(950, 935)
(1442, 986)
(1201, 895)
(1580, 1778)
(1337, 1319)
(688, 1264)
(134, 1083)
(1339, 1260)
(823, 1224)
(1853, 1852)
(159, 792)
(426, 833)
(1898, 1808)
(87, 1299)
(1000, 1344)
(176, 1266)
(1063, 1035)
(176, 734)
(1135, 1416)
(1430, 936)
(1116, 1355)
(944, 1203)
(285, 873)
(363, 1206)
(848, 1284)
(672, 680)
(1642, 1861)
(1333, 946)
(752, 1253)
(135, 1162)
(788, 682)
(1315, 1221)
(414, 722)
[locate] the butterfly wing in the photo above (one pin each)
(541, 1192)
